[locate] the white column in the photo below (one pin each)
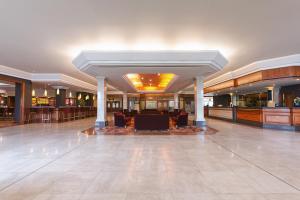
(275, 96)
(125, 101)
(176, 101)
(101, 103)
(199, 102)
(233, 99)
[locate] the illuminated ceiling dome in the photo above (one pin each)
(150, 82)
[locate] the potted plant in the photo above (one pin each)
(297, 102)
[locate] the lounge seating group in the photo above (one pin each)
(151, 119)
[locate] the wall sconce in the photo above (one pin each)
(70, 95)
(33, 93)
(87, 97)
(57, 91)
(94, 97)
(79, 96)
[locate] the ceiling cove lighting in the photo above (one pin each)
(150, 82)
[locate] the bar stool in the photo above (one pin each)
(82, 113)
(46, 115)
(77, 113)
(30, 115)
(65, 114)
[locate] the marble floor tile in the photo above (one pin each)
(57, 161)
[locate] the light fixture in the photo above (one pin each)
(297, 79)
(70, 94)
(87, 97)
(57, 91)
(33, 93)
(94, 97)
(79, 96)
(153, 82)
(45, 93)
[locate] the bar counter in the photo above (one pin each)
(267, 117)
(44, 114)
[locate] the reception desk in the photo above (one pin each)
(267, 117)
(251, 116)
(221, 113)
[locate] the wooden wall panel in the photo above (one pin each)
(254, 77)
(284, 72)
(220, 86)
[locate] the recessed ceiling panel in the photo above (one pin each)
(150, 82)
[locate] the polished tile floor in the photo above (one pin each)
(57, 161)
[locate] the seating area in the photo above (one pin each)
(151, 122)
(120, 120)
(7, 113)
(151, 119)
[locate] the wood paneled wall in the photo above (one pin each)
(220, 86)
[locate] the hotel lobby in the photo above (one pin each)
(149, 100)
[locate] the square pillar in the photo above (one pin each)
(23, 100)
(199, 102)
(273, 96)
(125, 103)
(60, 97)
(176, 101)
(101, 103)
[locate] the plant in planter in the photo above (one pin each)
(297, 102)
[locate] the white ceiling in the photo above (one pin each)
(114, 66)
(44, 36)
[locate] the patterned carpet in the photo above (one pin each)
(112, 130)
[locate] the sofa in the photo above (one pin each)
(151, 122)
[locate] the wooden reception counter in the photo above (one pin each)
(251, 116)
(266, 117)
(225, 113)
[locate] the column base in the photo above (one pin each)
(100, 124)
(200, 124)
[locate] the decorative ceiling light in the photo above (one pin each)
(150, 82)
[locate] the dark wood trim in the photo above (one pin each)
(283, 72)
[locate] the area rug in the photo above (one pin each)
(112, 130)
